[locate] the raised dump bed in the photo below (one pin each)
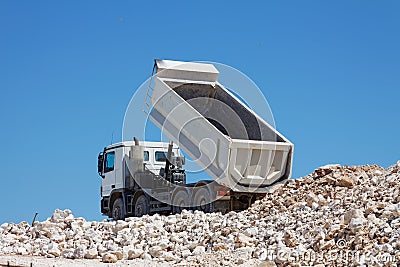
(234, 145)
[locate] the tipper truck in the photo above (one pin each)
(243, 154)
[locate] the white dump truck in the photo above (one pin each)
(243, 154)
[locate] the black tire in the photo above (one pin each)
(202, 200)
(180, 202)
(141, 206)
(118, 210)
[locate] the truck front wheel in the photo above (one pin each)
(141, 206)
(118, 211)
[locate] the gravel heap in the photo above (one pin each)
(336, 216)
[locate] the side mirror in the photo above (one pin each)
(100, 164)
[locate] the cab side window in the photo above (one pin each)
(109, 162)
(160, 156)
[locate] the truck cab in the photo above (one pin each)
(118, 181)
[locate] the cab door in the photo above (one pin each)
(108, 182)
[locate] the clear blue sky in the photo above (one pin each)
(329, 69)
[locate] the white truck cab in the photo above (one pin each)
(113, 173)
(134, 172)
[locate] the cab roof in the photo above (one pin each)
(147, 144)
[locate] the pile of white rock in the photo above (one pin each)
(336, 216)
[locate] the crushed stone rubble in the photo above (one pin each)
(336, 216)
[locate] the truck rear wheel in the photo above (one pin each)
(141, 206)
(118, 211)
(180, 202)
(202, 200)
